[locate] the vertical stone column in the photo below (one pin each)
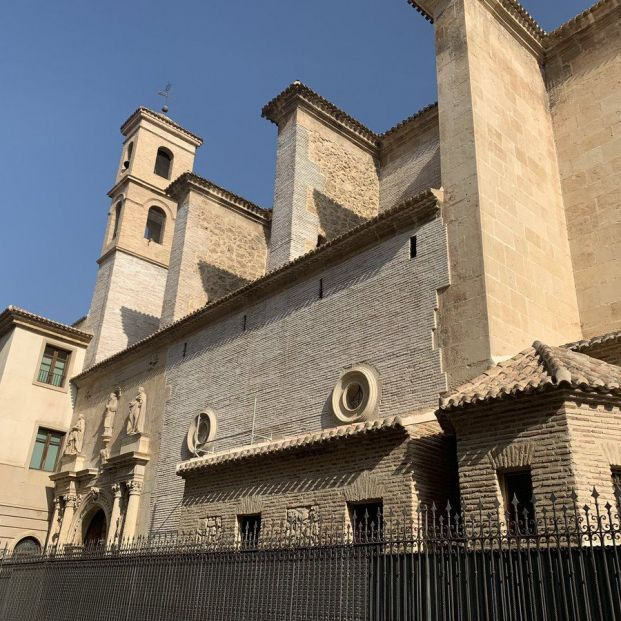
(54, 523)
(131, 516)
(71, 502)
(114, 515)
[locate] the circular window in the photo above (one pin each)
(356, 395)
(202, 431)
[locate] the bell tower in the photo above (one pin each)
(133, 265)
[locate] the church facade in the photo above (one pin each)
(428, 314)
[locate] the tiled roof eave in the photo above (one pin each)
(450, 406)
(143, 111)
(13, 315)
(189, 180)
(198, 464)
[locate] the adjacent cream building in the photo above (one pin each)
(428, 313)
(37, 358)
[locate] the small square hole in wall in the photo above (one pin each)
(412, 246)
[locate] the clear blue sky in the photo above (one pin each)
(73, 71)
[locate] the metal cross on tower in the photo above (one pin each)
(165, 93)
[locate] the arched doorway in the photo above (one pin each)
(96, 530)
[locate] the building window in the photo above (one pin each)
(46, 449)
(163, 163)
(517, 493)
(53, 367)
(27, 545)
(117, 217)
(367, 520)
(130, 149)
(154, 231)
(249, 530)
(412, 247)
(616, 482)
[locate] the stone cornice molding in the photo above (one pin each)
(299, 95)
(114, 191)
(526, 29)
(188, 181)
(419, 121)
(412, 212)
(133, 253)
(162, 121)
(14, 316)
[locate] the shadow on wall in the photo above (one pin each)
(427, 177)
(137, 325)
(334, 219)
(301, 472)
(218, 282)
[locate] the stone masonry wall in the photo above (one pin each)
(530, 431)
(130, 309)
(529, 284)
(410, 160)
(325, 185)
(511, 270)
(370, 467)
(377, 306)
(216, 250)
(583, 76)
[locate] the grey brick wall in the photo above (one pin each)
(378, 306)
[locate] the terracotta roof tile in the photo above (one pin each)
(289, 444)
(11, 313)
(537, 368)
(586, 344)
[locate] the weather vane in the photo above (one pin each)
(165, 93)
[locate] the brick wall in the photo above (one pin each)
(530, 431)
(582, 73)
(387, 466)
(127, 304)
(410, 160)
(378, 306)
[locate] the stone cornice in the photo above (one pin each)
(298, 94)
(13, 316)
(116, 188)
(161, 120)
(527, 30)
(415, 121)
(189, 181)
(418, 209)
(133, 253)
(580, 22)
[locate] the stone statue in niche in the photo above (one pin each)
(137, 410)
(75, 438)
(111, 407)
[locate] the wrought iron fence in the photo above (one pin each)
(563, 564)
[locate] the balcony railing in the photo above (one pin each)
(52, 378)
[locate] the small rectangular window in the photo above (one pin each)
(412, 247)
(54, 366)
(321, 288)
(517, 493)
(46, 449)
(367, 520)
(249, 530)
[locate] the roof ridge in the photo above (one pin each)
(164, 119)
(557, 371)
